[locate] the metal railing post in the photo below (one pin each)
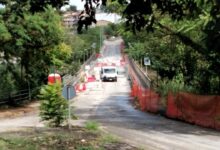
(29, 91)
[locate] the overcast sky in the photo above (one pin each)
(77, 3)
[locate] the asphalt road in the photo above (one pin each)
(109, 103)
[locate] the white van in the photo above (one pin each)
(109, 73)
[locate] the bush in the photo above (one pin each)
(53, 106)
(175, 85)
(166, 86)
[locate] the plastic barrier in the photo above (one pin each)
(98, 55)
(147, 99)
(91, 79)
(77, 88)
(196, 109)
(122, 62)
(217, 114)
(80, 87)
(53, 78)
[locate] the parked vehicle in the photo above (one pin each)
(109, 73)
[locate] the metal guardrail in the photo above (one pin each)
(142, 78)
(14, 98)
(72, 80)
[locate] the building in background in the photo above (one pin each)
(70, 19)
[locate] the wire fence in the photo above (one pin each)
(141, 77)
(17, 97)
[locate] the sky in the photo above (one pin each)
(109, 17)
(78, 3)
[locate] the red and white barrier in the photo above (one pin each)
(80, 87)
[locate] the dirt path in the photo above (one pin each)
(15, 118)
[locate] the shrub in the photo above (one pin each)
(53, 106)
(175, 85)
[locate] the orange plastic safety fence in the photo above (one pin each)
(196, 109)
(217, 114)
(147, 98)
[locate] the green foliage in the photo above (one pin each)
(114, 6)
(174, 86)
(33, 41)
(107, 139)
(91, 125)
(61, 52)
(53, 106)
(170, 56)
(56, 139)
(185, 37)
(111, 30)
(37, 5)
(4, 34)
(7, 85)
(85, 148)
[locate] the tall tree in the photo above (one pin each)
(37, 5)
(32, 39)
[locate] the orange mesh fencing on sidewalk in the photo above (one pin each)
(147, 98)
(192, 108)
(196, 109)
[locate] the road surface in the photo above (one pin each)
(109, 104)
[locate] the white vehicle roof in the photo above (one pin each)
(105, 67)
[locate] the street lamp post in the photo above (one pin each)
(147, 61)
(93, 47)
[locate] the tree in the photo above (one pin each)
(34, 39)
(34, 5)
(53, 106)
(86, 17)
(37, 5)
(141, 13)
(170, 57)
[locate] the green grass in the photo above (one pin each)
(108, 138)
(76, 138)
(85, 148)
(3, 144)
(92, 126)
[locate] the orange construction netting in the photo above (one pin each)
(196, 109)
(192, 108)
(147, 98)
